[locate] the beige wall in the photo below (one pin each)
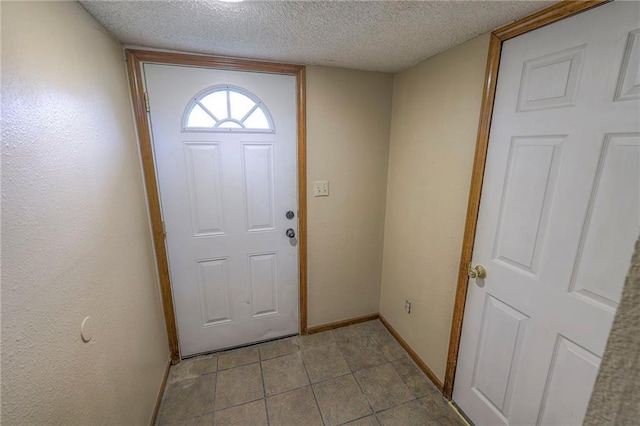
(348, 118)
(436, 106)
(75, 233)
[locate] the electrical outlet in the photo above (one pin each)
(321, 188)
(407, 306)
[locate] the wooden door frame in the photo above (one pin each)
(549, 15)
(135, 58)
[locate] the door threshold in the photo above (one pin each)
(246, 345)
(460, 413)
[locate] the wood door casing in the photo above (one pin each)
(135, 58)
(564, 144)
(549, 15)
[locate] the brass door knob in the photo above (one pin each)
(478, 272)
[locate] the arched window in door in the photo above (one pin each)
(227, 109)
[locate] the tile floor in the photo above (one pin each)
(356, 375)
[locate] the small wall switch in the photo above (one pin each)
(321, 188)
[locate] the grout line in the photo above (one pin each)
(359, 418)
(419, 372)
(238, 366)
(293, 343)
(352, 372)
(426, 410)
(280, 356)
(230, 406)
(280, 393)
(313, 392)
(157, 423)
(413, 396)
(363, 394)
(215, 389)
(264, 394)
(331, 378)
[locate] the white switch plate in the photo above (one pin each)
(321, 188)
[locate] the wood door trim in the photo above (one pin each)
(549, 15)
(301, 78)
(135, 58)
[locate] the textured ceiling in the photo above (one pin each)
(378, 36)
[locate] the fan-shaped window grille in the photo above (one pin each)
(227, 109)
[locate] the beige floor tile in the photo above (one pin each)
(278, 348)
(181, 371)
(325, 363)
(238, 357)
(349, 332)
(188, 398)
(315, 340)
(293, 408)
(206, 420)
(381, 331)
(235, 382)
(192, 368)
(370, 328)
(361, 353)
(340, 400)
(382, 387)
(410, 413)
(205, 364)
(413, 377)
(366, 421)
(284, 373)
(238, 385)
(390, 347)
(251, 413)
(438, 408)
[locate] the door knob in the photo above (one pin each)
(290, 233)
(478, 272)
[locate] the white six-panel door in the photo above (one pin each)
(225, 153)
(559, 214)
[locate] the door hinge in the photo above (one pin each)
(164, 230)
(146, 101)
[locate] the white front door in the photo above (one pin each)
(559, 214)
(225, 153)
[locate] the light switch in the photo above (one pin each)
(321, 188)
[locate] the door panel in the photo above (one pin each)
(532, 170)
(571, 377)
(559, 213)
(257, 168)
(498, 354)
(613, 209)
(629, 81)
(202, 164)
(550, 81)
(224, 195)
(264, 279)
(215, 292)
